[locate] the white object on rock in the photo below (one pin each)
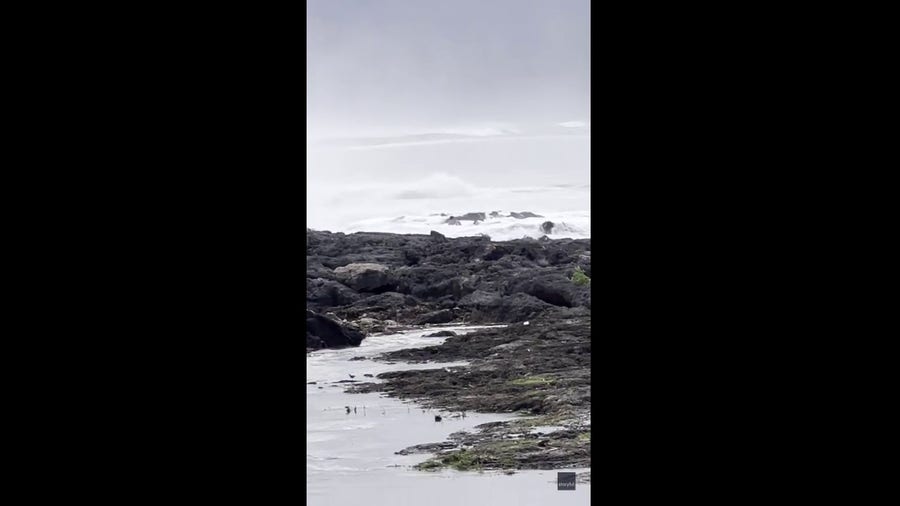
(526, 323)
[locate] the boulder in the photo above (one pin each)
(551, 287)
(324, 292)
(324, 332)
(547, 227)
(366, 277)
(313, 342)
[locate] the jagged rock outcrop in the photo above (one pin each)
(435, 279)
(327, 293)
(470, 217)
(324, 332)
(366, 277)
(523, 215)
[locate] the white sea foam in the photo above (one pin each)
(396, 183)
(575, 225)
(421, 205)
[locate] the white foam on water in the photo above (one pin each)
(354, 188)
(572, 225)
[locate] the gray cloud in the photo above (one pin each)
(394, 65)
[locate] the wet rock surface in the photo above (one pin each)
(394, 280)
(366, 277)
(325, 332)
(541, 370)
(538, 366)
(442, 333)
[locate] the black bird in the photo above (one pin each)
(352, 376)
(348, 409)
(437, 418)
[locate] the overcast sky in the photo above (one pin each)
(397, 64)
(515, 72)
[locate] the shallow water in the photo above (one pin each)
(350, 456)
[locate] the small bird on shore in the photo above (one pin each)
(348, 409)
(352, 376)
(437, 418)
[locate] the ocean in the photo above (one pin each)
(415, 183)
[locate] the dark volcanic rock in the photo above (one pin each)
(426, 448)
(315, 270)
(547, 227)
(487, 307)
(412, 256)
(553, 288)
(542, 368)
(442, 316)
(524, 214)
(419, 274)
(324, 292)
(323, 332)
(313, 342)
(442, 333)
(384, 306)
(470, 217)
(431, 282)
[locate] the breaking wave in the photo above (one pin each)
(501, 227)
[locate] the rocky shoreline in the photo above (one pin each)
(538, 366)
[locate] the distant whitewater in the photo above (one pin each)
(498, 225)
(413, 183)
